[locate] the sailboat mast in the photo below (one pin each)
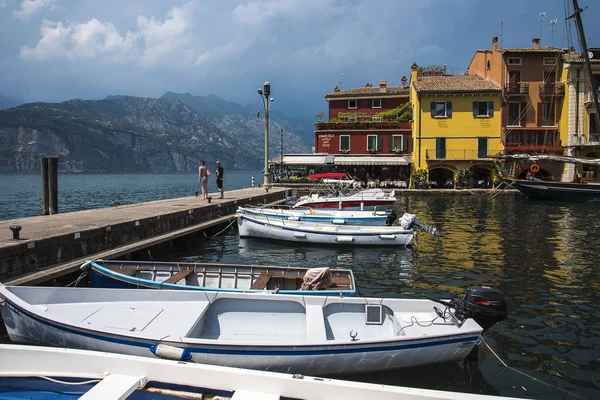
(588, 65)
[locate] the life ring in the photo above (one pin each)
(534, 168)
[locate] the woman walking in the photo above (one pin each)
(203, 179)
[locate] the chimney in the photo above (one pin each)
(404, 81)
(414, 71)
(494, 43)
(536, 42)
(382, 84)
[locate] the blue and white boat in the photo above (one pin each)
(286, 333)
(215, 277)
(322, 215)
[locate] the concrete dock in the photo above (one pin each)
(53, 245)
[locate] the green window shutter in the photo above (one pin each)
(371, 103)
(405, 143)
(370, 142)
(482, 147)
(432, 109)
(379, 143)
(440, 148)
(382, 103)
(390, 142)
(344, 142)
(491, 108)
(357, 103)
(475, 108)
(449, 109)
(347, 104)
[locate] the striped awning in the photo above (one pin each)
(373, 160)
(304, 159)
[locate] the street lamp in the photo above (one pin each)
(281, 158)
(264, 94)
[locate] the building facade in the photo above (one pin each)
(456, 129)
(532, 99)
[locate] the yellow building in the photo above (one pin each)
(456, 129)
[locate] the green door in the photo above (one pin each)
(440, 148)
(482, 147)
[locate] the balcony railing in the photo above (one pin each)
(518, 89)
(462, 154)
(361, 125)
(515, 148)
(552, 89)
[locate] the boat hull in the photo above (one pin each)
(344, 218)
(558, 190)
(322, 234)
(34, 324)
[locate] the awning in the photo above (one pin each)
(301, 159)
(373, 160)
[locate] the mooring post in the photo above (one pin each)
(53, 184)
(15, 231)
(45, 187)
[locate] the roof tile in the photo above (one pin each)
(454, 84)
(371, 91)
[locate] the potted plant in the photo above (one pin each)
(464, 178)
(419, 179)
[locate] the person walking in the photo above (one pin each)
(220, 178)
(203, 179)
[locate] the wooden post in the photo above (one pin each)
(45, 187)
(53, 184)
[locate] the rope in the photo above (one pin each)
(524, 374)
(222, 230)
(76, 281)
(69, 383)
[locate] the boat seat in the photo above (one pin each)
(261, 282)
(124, 271)
(179, 276)
(339, 281)
(315, 323)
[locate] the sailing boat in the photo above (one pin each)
(582, 190)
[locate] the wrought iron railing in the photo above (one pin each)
(552, 89)
(516, 89)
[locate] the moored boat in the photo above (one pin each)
(296, 334)
(548, 190)
(215, 277)
(322, 215)
(370, 199)
(323, 233)
(106, 376)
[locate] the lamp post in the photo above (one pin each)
(281, 159)
(264, 94)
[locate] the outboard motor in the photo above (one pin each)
(391, 217)
(407, 221)
(485, 305)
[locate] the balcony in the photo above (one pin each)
(519, 89)
(461, 154)
(552, 90)
(364, 124)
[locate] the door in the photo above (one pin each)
(440, 148)
(482, 148)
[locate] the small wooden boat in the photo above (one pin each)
(315, 233)
(547, 190)
(212, 277)
(290, 333)
(34, 372)
(322, 215)
(370, 199)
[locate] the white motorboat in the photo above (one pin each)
(322, 215)
(370, 199)
(322, 233)
(316, 335)
(43, 372)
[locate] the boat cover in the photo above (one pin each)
(317, 278)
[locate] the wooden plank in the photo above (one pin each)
(179, 276)
(261, 282)
(124, 271)
(115, 386)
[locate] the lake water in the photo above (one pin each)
(542, 255)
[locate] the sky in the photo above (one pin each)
(55, 50)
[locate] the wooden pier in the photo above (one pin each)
(50, 246)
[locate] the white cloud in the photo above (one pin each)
(31, 7)
(153, 43)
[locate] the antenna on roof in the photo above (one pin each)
(542, 17)
(502, 23)
(553, 23)
(340, 81)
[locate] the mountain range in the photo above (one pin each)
(134, 134)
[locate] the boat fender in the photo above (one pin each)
(2, 301)
(85, 266)
(170, 352)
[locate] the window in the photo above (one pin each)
(514, 61)
(352, 104)
(441, 109)
(549, 61)
(373, 143)
(398, 143)
(546, 114)
(514, 114)
(482, 147)
(345, 143)
(440, 148)
(483, 108)
(376, 103)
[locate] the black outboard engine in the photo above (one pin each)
(391, 217)
(485, 305)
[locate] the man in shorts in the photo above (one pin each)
(220, 178)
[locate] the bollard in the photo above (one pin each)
(45, 186)
(15, 230)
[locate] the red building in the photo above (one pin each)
(368, 120)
